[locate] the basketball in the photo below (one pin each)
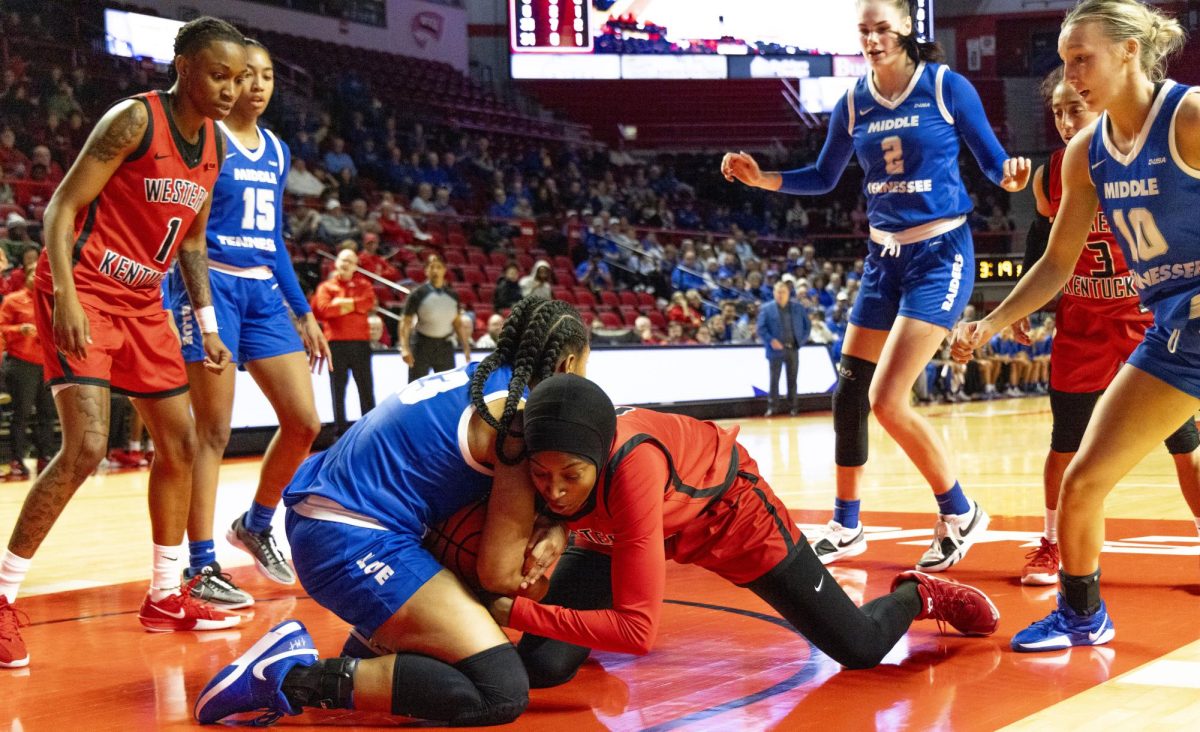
(455, 541)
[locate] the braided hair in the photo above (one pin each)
(197, 34)
(538, 334)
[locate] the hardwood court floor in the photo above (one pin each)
(723, 660)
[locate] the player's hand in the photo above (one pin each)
(545, 546)
(216, 355)
(1016, 174)
(743, 167)
(408, 359)
(315, 344)
(1021, 330)
(72, 331)
(501, 608)
(970, 336)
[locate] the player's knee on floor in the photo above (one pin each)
(1184, 440)
(851, 407)
(548, 662)
(500, 694)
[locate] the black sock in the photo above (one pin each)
(1082, 593)
(328, 684)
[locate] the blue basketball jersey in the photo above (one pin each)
(908, 150)
(246, 222)
(1150, 197)
(406, 464)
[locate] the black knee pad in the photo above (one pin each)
(1071, 412)
(851, 406)
(503, 685)
(1184, 440)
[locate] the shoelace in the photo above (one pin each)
(1043, 554)
(1173, 341)
(187, 602)
(272, 549)
(224, 580)
(12, 621)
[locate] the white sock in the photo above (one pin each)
(135, 445)
(12, 573)
(1196, 519)
(165, 580)
(1052, 525)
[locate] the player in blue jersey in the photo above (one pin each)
(356, 516)
(1141, 162)
(904, 120)
(251, 277)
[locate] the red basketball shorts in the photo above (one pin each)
(135, 356)
(742, 536)
(1089, 347)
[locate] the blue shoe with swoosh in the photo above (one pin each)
(254, 681)
(1065, 628)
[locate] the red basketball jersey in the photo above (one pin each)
(126, 238)
(1101, 282)
(702, 463)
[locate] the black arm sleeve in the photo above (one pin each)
(1035, 242)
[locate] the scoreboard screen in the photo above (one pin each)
(998, 268)
(673, 39)
(550, 26)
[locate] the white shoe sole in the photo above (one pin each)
(18, 663)
(969, 540)
(232, 537)
(853, 550)
(1039, 579)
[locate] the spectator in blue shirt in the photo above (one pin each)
(687, 275)
(337, 159)
(593, 273)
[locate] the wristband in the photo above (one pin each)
(207, 317)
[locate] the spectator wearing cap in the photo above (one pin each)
(17, 240)
(370, 260)
(783, 326)
(336, 224)
(342, 304)
(431, 323)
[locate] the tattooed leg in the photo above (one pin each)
(174, 433)
(83, 410)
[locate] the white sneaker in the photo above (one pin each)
(952, 537)
(836, 542)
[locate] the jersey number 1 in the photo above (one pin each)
(893, 155)
(164, 251)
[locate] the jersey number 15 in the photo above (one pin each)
(259, 211)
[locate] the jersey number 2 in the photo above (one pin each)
(1141, 233)
(164, 251)
(893, 155)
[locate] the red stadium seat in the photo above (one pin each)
(499, 259)
(630, 298)
(454, 257)
(564, 277)
(657, 319)
(610, 320)
(473, 275)
(646, 300)
(563, 262)
(493, 272)
(584, 297)
(415, 272)
(477, 257)
(466, 294)
(564, 294)
(609, 298)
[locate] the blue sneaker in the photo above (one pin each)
(1064, 628)
(253, 682)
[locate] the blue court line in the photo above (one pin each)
(802, 676)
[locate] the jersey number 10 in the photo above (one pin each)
(1141, 233)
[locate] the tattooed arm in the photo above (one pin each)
(193, 265)
(118, 133)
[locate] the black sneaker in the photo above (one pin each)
(267, 557)
(216, 588)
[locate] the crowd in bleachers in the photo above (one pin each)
(659, 238)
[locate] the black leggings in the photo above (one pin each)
(799, 588)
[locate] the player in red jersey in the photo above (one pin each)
(1099, 323)
(140, 187)
(642, 487)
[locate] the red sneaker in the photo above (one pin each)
(12, 648)
(181, 611)
(1042, 565)
(17, 470)
(965, 608)
(124, 458)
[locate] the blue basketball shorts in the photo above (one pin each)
(1181, 368)
(252, 319)
(930, 281)
(363, 575)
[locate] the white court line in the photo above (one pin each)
(1178, 674)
